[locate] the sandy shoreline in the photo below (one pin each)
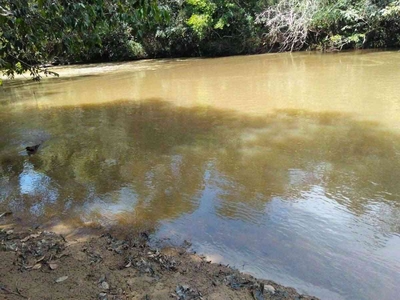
(39, 264)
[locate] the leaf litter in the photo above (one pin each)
(115, 268)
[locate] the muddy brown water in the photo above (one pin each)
(285, 166)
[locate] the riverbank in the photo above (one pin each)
(188, 29)
(38, 264)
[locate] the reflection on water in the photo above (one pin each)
(303, 196)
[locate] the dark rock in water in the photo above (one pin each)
(32, 149)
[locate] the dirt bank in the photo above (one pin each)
(38, 264)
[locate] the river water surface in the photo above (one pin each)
(286, 166)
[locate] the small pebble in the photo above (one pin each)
(103, 296)
(105, 285)
(102, 278)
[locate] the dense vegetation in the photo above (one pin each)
(37, 32)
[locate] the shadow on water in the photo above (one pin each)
(144, 164)
(147, 161)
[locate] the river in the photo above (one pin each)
(285, 166)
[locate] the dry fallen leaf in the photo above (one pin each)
(40, 259)
(128, 264)
(61, 279)
(53, 266)
(37, 266)
(61, 255)
(25, 239)
(5, 214)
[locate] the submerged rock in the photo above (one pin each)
(32, 149)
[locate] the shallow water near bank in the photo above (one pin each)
(283, 165)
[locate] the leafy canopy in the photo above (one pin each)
(35, 32)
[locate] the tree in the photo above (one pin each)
(36, 32)
(331, 24)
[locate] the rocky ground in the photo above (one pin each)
(36, 264)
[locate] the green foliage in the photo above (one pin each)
(136, 50)
(201, 18)
(224, 27)
(205, 28)
(332, 25)
(33, 33)
(199, 23)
